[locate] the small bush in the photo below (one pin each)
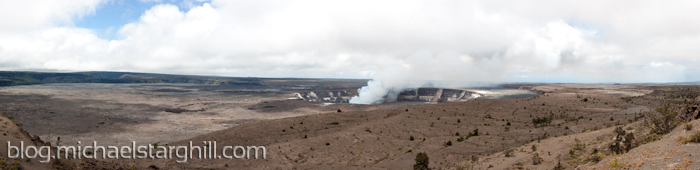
(629, 138)
(339, 111)
(594, 157)
(615, 164)
(578, 145)
(542, 120)
(334, 123)
(328, 143)
(559, 166)
(508, 152)
(448, 143)
(688, 126)
(536, 159)
(422, 161)
(695, 137)
(411, 138)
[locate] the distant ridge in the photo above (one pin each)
(14, 78)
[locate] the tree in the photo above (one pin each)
(623, 141)
(422, 161)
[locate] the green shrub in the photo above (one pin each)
(594, 157)
(614, 163)
(508, 152)
(422, 161)
(448, 143)
(688, 126)
(695, 137)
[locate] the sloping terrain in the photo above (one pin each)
(572, 126)
(381, 139)
(13, 133)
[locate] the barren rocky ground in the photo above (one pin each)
(307, 135)
(148, 113)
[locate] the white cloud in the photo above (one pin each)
(394, 42)
(37, 14)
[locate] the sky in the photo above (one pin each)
(399, 44)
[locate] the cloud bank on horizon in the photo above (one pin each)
(398, 44)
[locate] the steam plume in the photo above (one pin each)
(545, 53)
